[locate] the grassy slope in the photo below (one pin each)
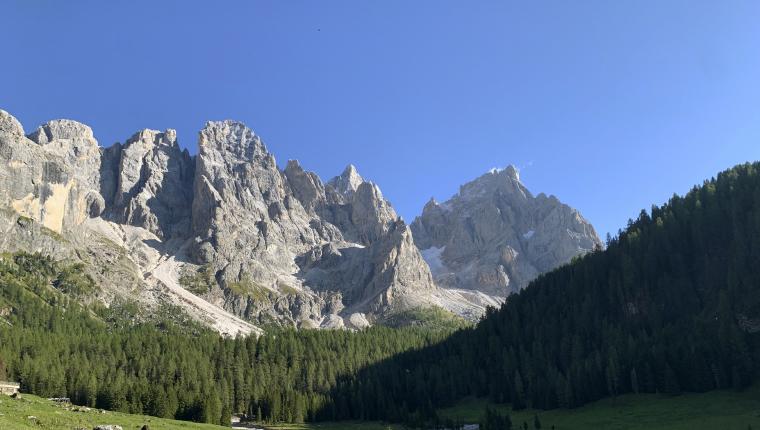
(714, 410)
(15, 413)
(346, 425)
(725, 410)
(431, 317)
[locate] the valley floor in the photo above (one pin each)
(724, 410)
(715, 410)
(32, 412)
(346, 425)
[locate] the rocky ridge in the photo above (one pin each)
(237, 242)
(494, 236)
(225, 234)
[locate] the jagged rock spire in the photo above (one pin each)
(494, 236)
(348, 181)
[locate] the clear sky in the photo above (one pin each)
(610, 105)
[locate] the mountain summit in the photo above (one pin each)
(225, 235)
(494, 236)
(235, 241)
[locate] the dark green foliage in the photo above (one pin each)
(101, 357)
(672, 305)
(198, 281)
(493, 420)
(431, 317)
(73, 280)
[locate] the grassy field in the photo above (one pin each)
(31, 412)
(718, 410)
(723, 410)
(347, 425)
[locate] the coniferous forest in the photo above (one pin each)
(671, 305)
(55, 347)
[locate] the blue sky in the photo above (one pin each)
(610, 105)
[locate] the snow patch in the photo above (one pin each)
(528, 234)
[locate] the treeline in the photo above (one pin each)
(56, 347)
(671, 305)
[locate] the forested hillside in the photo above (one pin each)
(56, 347)
(672, 304)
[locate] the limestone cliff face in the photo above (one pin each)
(229, 236)
(270, 245)
(150, 183)
(51, 176)
(494, 236)
(375, 265)
(245, 216)
(288, 233)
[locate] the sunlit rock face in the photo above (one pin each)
(494, 236)
(274, 246)
(52, 175)
(260, 244)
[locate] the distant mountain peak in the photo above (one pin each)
(225, 234)
(348, 181)
(494, 236)
(510, 171)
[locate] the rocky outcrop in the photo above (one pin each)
(52, 176)
(228, 232)
(346, 183)
(494, 236)
(385, 276)
(245, 217)
(57, 196)
(152, 183)
(288, 234)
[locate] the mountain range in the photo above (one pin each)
(236, 242)
(117, 262)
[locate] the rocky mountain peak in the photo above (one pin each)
(150, 183)
(147, 137)
(231, 141)
(52, 176)
(306, 186)
(511, 171)
(9, 124)
(67, 138)
(348, 181)
(494, 236)
(506, 180)
(62, 129)
(270, 244)
(431, 203)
